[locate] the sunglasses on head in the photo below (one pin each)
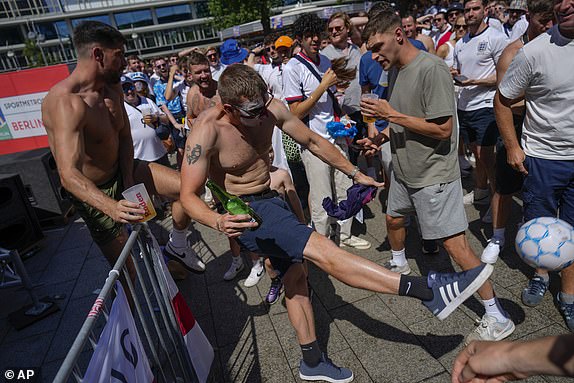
(255, 112)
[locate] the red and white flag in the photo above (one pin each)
(198, 347)
(119, 354)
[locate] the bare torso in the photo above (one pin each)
(198, 101)
(102, 120)
(239, 156)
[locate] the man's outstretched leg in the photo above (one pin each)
(314, 365)
(164, 181)
(441, 293)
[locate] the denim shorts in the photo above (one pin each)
(281, 237)
(478, 126)
(548, 189)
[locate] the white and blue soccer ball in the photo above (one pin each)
(546, 243)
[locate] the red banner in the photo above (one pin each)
(21, 96)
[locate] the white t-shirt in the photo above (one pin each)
(273, 77)
(147, 145)
(182, 88)
(299, 83)
(540, 72)
(475, 57)
(518, 29)
(494, 23)
(216, 71)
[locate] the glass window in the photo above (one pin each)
(54, 30)
(11, 35)
(173, 13)
(133, 19)
(102, 18)
(202, 10)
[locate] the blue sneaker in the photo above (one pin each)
(568, 312)
(326, 371)
(452, 289)
(532, 295)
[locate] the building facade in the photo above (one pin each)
(34, 32)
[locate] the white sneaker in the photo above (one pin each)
(471, 199)
(356, 243)
(186, 256)
(488, 328)
(491, 251)
(487, 217)
(257, 272)
(404, 270)
(234, 269)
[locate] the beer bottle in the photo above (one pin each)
(232, 203)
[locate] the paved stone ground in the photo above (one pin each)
(381, 338)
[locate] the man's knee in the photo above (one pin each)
(395, 223)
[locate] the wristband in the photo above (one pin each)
(353, 173)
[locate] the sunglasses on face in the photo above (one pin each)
(335, 29)
(270, 48)
(254, 112)
(161, 65)
(460, 26)
(128, 87)
(212, 55)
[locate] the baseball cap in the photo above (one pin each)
(232, 53)
(518, 5)
(283, 41)
(126, 80)
(455, 6)
(138, 76)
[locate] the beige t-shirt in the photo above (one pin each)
(424, 89)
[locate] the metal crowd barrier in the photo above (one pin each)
(152, 311)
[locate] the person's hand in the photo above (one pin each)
(376, 108)
(125, 211)
(329, 79)
(485, 362)
(257, 50)
(371, 145)
(364, 179)
(150, 119)
(454, 72)
(515, 158)
(173, 69)
(234, 225)
(179, 126)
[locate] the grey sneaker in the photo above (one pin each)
(326, 370)
(567, 312)
(532, 295)
(489, 328)
(405, 270)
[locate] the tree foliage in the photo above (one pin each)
(228, 13)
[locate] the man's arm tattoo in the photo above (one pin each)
(192, 155)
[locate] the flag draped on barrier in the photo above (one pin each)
(198, 347)
(119, 353)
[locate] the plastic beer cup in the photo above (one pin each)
(371, 96)
(139, 195)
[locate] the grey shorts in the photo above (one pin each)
(439, 207)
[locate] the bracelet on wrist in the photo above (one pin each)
(353, 173)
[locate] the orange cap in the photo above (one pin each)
(283, 41)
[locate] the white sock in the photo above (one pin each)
(492, 308)
(499, 234)
(178, 238)
(399, 257)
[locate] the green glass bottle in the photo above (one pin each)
(232, 203)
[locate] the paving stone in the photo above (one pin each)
(65, 265)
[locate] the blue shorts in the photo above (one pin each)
(548, 189)
(508, 180)
(281, 237)
(478, 126)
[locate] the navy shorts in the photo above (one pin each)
(508, 180)
(176, 135)
(548, 189)
(281, 237)
(478, 126)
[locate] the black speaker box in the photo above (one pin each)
(39, 174)
(19, 226)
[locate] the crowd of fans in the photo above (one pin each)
(511, 126)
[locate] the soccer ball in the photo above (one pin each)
(546, 243)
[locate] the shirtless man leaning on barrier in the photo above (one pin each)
(89, 135)
(230, 143)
